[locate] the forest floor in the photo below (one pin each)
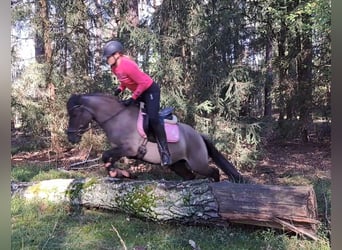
(281, 161)
(284, 160)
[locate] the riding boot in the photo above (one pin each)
(163, 146)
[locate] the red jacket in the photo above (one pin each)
(130, 76)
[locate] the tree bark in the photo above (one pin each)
(291, 208)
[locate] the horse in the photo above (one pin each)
(190, 154)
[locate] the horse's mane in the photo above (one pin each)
(76, 99)
(100, 94)
(105, 95)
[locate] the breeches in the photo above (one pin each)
(151, 98)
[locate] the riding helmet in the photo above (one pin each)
(112, 47)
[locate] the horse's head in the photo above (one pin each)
(79, 118)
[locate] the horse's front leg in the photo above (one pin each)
(109, 157)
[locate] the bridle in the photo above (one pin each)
(81, 130)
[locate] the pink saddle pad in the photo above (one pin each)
(171, 130)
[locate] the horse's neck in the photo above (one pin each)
(102, 107)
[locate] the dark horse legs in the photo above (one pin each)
(112, 155)
(182, 170)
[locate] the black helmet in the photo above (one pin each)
(112, 47)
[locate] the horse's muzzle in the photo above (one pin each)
(73, 136)
(74, 139)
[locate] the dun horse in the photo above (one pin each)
(190, 152)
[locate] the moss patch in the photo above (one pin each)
(140, 200)
(76, 187)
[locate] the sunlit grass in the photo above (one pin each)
(26, 173)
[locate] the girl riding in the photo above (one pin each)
(142, 87)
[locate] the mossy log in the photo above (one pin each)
(292, 208)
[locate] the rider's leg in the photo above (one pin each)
(163, 148)
(151, 98)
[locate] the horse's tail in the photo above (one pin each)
(222, 162)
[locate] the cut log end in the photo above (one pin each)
(291, 208)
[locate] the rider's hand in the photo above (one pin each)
(117, 91)
(128, 101)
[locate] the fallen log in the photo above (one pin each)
(291, 208)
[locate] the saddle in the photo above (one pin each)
(168, 119)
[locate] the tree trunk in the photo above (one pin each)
(292, 208)
(305, 83)
(269, 79)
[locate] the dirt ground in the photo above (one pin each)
(281, 161)
(289, 159)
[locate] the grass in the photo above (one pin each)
(26, 173)
(48, 226)
(42, 225)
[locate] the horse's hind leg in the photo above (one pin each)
(202, 168)
(215, 174)
(210, 172)
(181, 169)
(196, 154)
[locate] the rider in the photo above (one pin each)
(143, 87)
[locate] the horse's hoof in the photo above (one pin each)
(108, 164)
(120, 173)
(113, 173)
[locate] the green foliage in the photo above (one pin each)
(24, 173)
(240, 141)
(322, 187)
(29, 100)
